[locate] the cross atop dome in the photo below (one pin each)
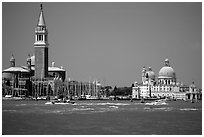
(166, 62)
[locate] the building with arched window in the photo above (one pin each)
(166, 85)
(37, 70)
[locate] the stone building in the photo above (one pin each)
(165, 86)
(36, 73)
(37, 78)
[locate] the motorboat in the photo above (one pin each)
(59, 102)
(8, 96)
(157, 103)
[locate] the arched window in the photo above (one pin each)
(39, 37)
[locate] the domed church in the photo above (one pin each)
(165, 86)
(166, 74)
(37, 71)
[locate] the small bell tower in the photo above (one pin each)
(143, 75)
(12, 61)
(29, 62)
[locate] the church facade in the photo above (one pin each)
(37, 78)
(165, 86)
(36, 72)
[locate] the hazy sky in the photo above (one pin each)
(110, 42)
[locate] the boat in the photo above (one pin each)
(41, 98)
(157, 103)
(8, 96)
(59, 102)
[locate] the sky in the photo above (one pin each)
(109, 42)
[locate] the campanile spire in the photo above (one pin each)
(41, 20)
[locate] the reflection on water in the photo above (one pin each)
(101, 117)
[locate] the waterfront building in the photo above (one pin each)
(36, 77)
(17, 77)
(193, 92)
(166, 85)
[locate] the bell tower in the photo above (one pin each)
(29, 62)
(12, 61)
(41, 48)
(143, 75)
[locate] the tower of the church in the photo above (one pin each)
(29, 62)
(143, 75)
(41, 48)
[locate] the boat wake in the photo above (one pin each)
(9, 110)
(158, 108)
(189, 109)
(102, 104)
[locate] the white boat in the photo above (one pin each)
(157, 103)
(8, 96)
(49, 103)
(59, 102)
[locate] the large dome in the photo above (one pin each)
(167, 71)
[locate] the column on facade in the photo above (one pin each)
(191, 96)
(196, 97)
(43, 38)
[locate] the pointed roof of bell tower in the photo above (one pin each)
(41, 20)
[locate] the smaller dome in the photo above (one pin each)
(33, 60)
(150, 73)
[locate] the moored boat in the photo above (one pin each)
(157, 103)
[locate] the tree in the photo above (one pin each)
(107, 90)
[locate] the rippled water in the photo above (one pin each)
(101, 118)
